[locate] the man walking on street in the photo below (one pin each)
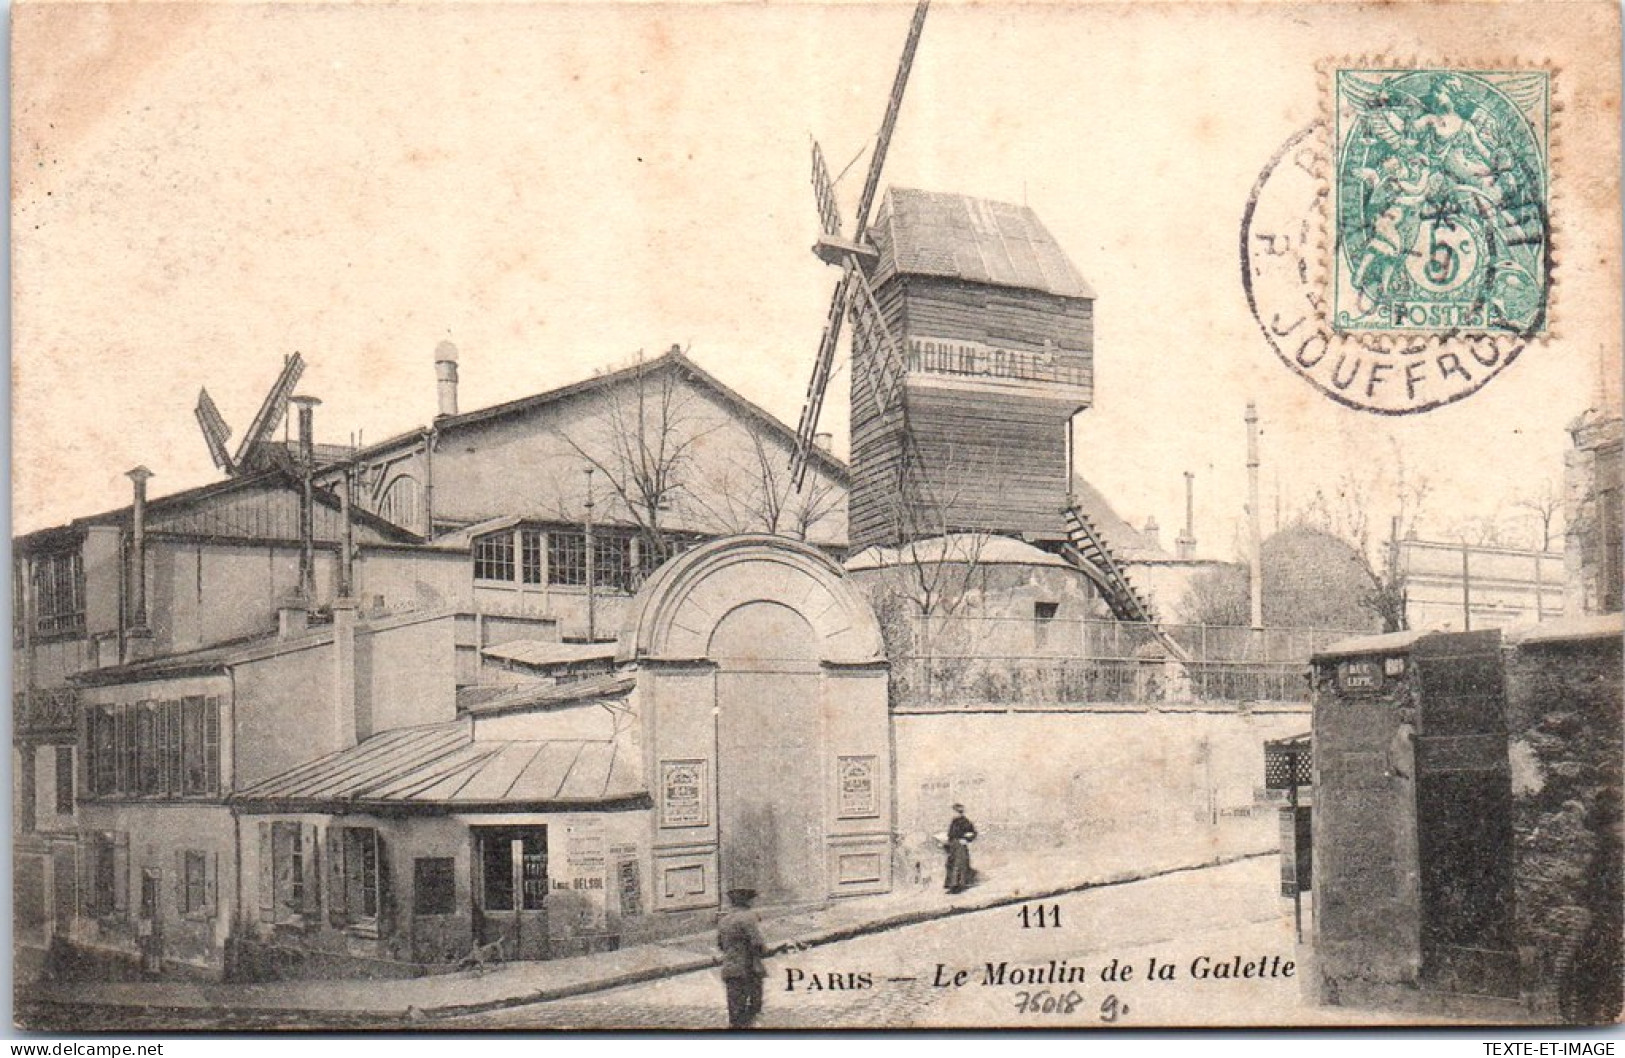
(961, 832)
(739, 935)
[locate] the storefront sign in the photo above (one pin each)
(683, 800)
(856, 779)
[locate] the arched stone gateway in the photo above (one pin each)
(762, 684)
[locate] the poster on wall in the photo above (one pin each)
(855, 777)
(683, 793)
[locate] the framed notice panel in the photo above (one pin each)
(684, 797)
(855, 787)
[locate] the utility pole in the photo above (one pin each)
(592, 573)
(1256, 584)
(1466, 591)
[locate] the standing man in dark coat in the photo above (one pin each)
(961, 832)
(739, 935)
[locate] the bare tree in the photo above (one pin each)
(1354, 514)
(644, 443)
(1218, 597)
(1546, 504)
(753, 492)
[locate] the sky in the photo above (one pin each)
(202, 189)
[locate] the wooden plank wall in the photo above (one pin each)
(988, 458)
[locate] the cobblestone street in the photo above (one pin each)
(1221, 913)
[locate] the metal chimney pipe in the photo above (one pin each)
(1186, 543)
(445, 373)
(1256, 585)
(307, 499)
(138, 550)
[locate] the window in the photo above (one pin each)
(59, 594)
(356, 876)
(154, 749)
(493, 557)
(287, 862)
(64, 780)
(434, 885)
(1045, 611)
(105, 874)
(566, 558)
(194, 879)
(530, 556)
(614, 559)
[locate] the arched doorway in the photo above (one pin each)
(762, 692)
(768, 737)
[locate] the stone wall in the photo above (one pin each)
(1037, 781)
(1564, 730)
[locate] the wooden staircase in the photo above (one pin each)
(1088, 549)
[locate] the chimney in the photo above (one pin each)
(445, 373)
(349, 726)
(1153, 532)
(139, 638)
(307, 500)
(292, 616)
(823, 442)
(1256, 579)
(1186, 543)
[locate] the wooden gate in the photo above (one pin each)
(1464, 816)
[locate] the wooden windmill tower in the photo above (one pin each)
(972, 350)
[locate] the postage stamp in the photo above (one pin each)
(1398, 253)
(1441, 213)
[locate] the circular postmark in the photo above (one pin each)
(1393, 258)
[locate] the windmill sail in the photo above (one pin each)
(215, 431)
(807, 428)
(829, 214)
(272, 410)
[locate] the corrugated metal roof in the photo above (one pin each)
(959, 237)
(441, 765)
(483, 701)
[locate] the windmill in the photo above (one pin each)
(252, 455)
(854, 295)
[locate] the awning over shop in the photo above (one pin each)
(440, 768)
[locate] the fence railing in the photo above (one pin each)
(1008, 661)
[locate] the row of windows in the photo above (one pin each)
(358, 891)
(559, 558)
(105, 881)
(154, 749)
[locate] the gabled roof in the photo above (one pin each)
(976, 240)
(674, 360)
(442, 767)
(1128, 544)
(197, 499)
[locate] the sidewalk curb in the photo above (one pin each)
(412, 1016)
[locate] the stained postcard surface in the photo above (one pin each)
(612, 516)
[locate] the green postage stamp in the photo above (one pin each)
(1441, 192)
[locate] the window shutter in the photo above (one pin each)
(267, 874)
(180, 883)
(211, 745)
(386, 888)
(211, 885)
(312, 908)
(121, 873)
(337, 906)
(85, 850)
